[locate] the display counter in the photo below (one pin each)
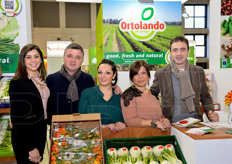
(9, 158)
(213, 148)
(128, 132)
(4, 110)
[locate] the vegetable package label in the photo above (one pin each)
(186, 122)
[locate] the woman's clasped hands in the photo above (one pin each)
(163, 124)
(114, 128)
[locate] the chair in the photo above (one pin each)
(223, 116)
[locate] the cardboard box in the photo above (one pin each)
(76, 138)
(141, 142)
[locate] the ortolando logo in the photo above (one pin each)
(10, 8)
(167, 57)
(145, 27)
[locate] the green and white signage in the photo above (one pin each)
(139, 31)
(9, 62)
(150, 57)
(128, 58)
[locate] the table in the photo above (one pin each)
(134, 132)
(214, 148)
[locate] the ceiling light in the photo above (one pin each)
(184, 14)
(81, 1)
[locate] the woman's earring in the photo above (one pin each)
(133, 84)
(113, 81)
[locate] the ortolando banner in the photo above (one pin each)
(140, 31)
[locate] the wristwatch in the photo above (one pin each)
(153, 123)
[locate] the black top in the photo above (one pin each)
(58, 104)
(27, 114)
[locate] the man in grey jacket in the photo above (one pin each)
(183, 86)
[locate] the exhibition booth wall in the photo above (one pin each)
(221, 77)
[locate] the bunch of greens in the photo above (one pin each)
(4, 89)
(5, 138)
(9, 28)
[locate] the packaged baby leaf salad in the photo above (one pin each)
(200, 131)
(75, 145)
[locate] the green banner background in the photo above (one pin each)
(191, 57)
(127, 58)
(9, 62)
(93, 62)
(99, 35)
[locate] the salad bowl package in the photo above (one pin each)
(76, 139)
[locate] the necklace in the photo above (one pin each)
(41, 85)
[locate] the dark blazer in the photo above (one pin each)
(27, 116)
(163, 84)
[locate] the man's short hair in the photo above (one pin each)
(74, 46)
(179, 39)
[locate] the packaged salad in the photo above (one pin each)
(78, 141)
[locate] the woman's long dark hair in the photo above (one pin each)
(21, 71)
(114, 69)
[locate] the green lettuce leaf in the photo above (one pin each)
(10, 30)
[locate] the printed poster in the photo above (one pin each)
(226, 35)
(140, 31)
(13, 33)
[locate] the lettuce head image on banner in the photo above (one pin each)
(9, 27)
(9, 30)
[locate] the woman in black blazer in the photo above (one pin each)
(28, 102)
